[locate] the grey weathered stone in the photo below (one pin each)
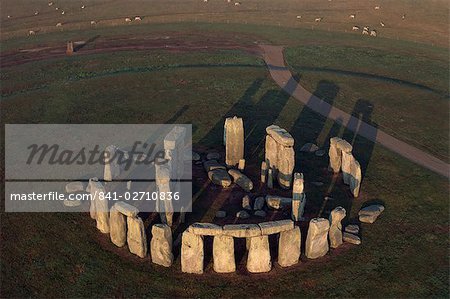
(242, 230)
(335, 232)
(355, 177)
(195, 156)
(270, 178)
(94, 185)
(99, 206)
(274, 227)
(258, 259)
(260, 213)
(335, 155)
(72, 202)
(161, 245)
(259, 203)
(205, 229)
(126, 209)
(278, 202)
(317, 184)
(319, 153)
(164, 173)
(298, 206)
(309, 148)
(234, 140)
(263, 171)
(212, 165)
(220, 177)
(344, 146)
(246, 203)
(370, 213)
(192, 253)
(317, 238)
(118, 227)
(350, 238)
(221, 214)
(241, 179)
(242, 214)
(241, 165)
(73, 187)
(223, 254)
(285, 166)
(352, 228)
(271, 153)
(136, 238)
(213, 156)
(289, 246)
(347, 159)
(280, 135)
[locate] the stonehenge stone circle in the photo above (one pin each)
(161, 245)
(335, 232)
(317, 238)
(192, 253)
(118, 227)
(289, 245)
(223, 254)
(234, 140)
(136, 237)
(258, 259)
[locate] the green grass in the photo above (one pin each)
(403, 254)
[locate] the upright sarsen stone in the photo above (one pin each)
(289, 247)
(355, 177)
(223, 254)
(161, 245)
(258, 259)
(234, 140)
(117, 227)
(192, 253)
(317, 238)
(335, 232)
(136, 238)
(335, 155)
(298, 197)
(99, 206)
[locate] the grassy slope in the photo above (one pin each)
(403, 254)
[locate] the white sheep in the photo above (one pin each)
(377, 7)
(9, 17)
(403, 17)
(63, 12)
(58, 24)
(382, 24)
(237, 3)
(352, 16)
(36, 13)
(127, 19)
(83, 6)
(299, 17)
(318, 19)
(366, 28)
(31, 32)
(373, 33)
(50, 3)
(355, 28)
(56, 8)
(137, 18)
(93, 22)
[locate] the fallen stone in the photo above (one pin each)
(289, 245)
(317, 238)
(274, 227)
(221, 214)
(370, 214)
(241, 179)
(260, 213)
(195, 156)
(242, 230)
(258, 259)
(212, 165)
(234, 140)
(335, 232)
(161, 245)
(213, 156)
(205, 229)
(319, 153)
(246, 203)
(223, 254)
(136, 238)
(220, 177)
(192, 253)
(242, 214)
(73, 187)
(278, 202)
(117, 227)
(309, 148)
(126, 209)
(280, 135)
(352, 228)
(350, 238)
(259, 203)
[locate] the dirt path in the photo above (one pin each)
(273, 56)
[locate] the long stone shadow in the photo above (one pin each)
(81, 46)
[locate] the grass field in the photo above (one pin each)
(397, 82)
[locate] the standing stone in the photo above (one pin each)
(259, 203)
(117, 227)
(69, 50)
(241, 179)
(263, 172)
(234, 140)
(317, 238)
(346, 167)
(93, 183)
(270, 178)
(286, 163)
(335, 232)
(165, 208)
(271, 154)
(289, 247)
(246, 204)
(335, 155)
(297, 197)
(241, 165)
(258, 259)
(191, 253)
(136, 238)
(355, 177)
(223, 254)
(113, 159)
(161, 245)
(100, 206)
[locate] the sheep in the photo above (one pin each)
(382, 24)
(404, 17)
(377, 7)
(58, 24)
(56, 8)
(205, 1)
(63, 12)
(9, 17)
(50, 3)
(373, 33)
(318, 19)
(36, 13)
(355, 28)
(127, 19)
(352, 16)
(229, 1)
(366, 28)
(83, 6)
(365, 32)
(137, 18)
(93, 22)
(237, 3)
(299, 17)
(31, 32)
